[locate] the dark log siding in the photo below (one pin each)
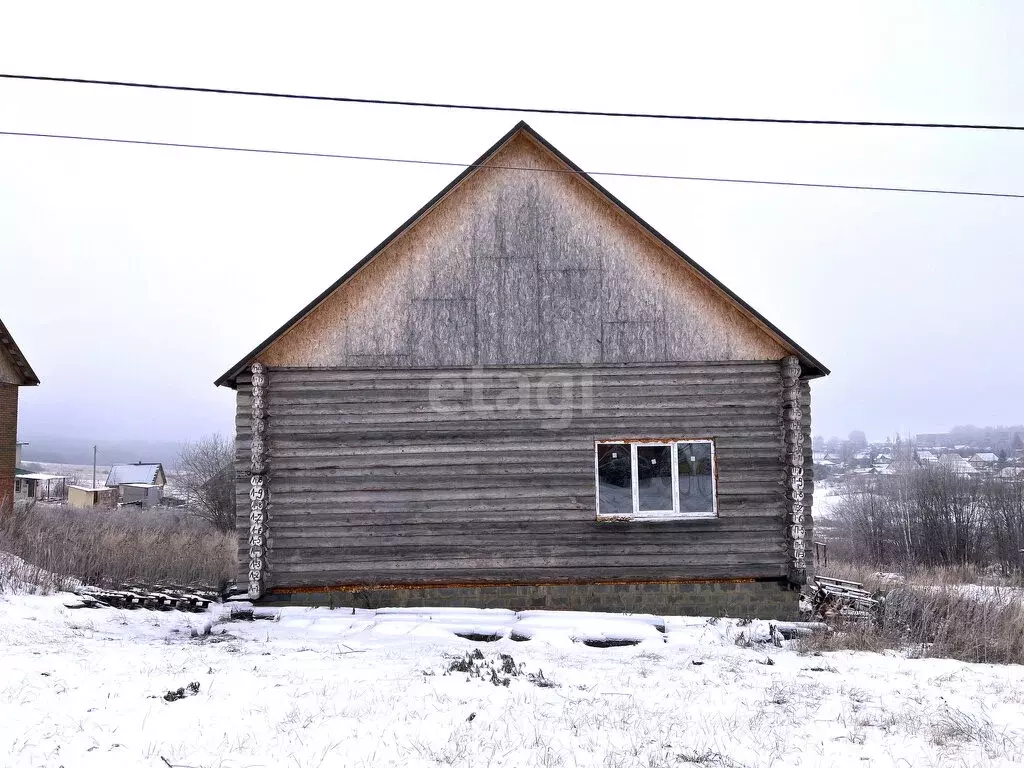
(371, 482)
(243, 435)
(805, 405)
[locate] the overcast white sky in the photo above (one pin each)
(132, 277)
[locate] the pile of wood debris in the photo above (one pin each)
(156, 597)
(839, 599)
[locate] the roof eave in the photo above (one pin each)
(20, 361)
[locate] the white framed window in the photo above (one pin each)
(656, 479)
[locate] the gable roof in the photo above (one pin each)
(812, 368)
(129, 474)
(956, 464)
(7, 344)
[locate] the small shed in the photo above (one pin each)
(141, 494)
(526, 396)
(83, 497)
(39, 485)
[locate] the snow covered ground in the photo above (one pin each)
(314, 687)
(827, 497)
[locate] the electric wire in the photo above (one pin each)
(497, 108)
(410, 161)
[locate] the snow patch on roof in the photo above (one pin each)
(123, 474)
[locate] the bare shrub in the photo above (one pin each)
(114, 547)
(1005, 506)
(206, 473)
(931, 517)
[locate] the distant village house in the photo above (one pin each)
(84, 497)
(140, 484)
(983, 461)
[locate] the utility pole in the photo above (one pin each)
(94, 467)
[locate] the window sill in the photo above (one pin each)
(652, 518)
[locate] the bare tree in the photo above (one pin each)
(206, 473)
(932, 517)
(864, 518)
(951, 518)
(1006, 512)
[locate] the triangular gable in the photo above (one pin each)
(14, 368)
(323, 318)
(127, 474)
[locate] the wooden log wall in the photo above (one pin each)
(243, 470)
(398, 476)
(805, 406)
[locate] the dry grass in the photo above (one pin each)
(107, 547)
(947, 613)
(948, 575)
(950, 623)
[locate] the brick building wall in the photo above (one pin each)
(755, 599)
(8, 439)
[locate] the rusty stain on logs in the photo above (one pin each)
(483, 584)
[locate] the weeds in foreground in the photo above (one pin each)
(498, 671)
(939, 622)
(50, 548)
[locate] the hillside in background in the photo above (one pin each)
(61, 450)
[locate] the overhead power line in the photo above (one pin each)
(409, 161)
(494, 108)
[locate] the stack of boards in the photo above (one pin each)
(153, 598)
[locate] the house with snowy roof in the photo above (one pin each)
(526, 396)
(899, 466)
(957, 464)
(140, 484)
(983, 461)
(824, 458)
(1011, 474)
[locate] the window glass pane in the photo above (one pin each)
(696, 489)
(654, 477)
(614, 479)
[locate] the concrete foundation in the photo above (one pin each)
(768, 599)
